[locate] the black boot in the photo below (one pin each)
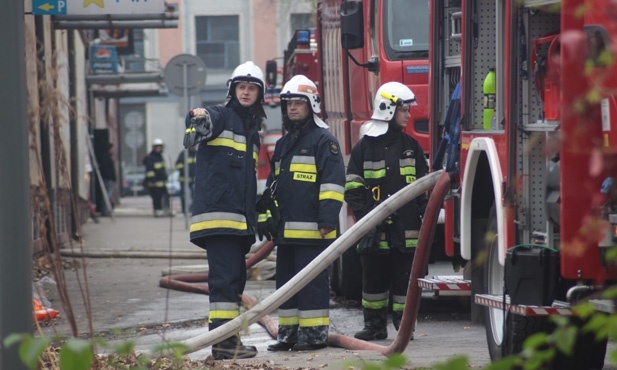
(280, 347)
(374, 325)
(232, 348)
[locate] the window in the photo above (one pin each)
(406, 29)
(217, 39)
(136, 62)
(301, 22)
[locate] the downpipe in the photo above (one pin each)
(328, 256)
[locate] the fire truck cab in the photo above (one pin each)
(533, 208)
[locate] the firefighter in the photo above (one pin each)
(385, 160)
(192, 157)
(299, 210)
(156, 179)
(224, 220)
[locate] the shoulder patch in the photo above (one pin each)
(408, 153)
(334, 148)
(304, 151)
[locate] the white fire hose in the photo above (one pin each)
(325, 259)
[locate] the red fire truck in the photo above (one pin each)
(533, 207)
(348, 71)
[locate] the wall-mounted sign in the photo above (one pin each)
(103, 59)
(83, 7)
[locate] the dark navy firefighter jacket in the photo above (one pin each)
(225, 174)
(309, 184)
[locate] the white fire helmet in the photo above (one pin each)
(300, 87)
(247, 72)
(157, 142)
(389, 96)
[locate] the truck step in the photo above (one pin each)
(496, 301)
(446, 285)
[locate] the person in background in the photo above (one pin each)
(192, 157)
(156, 179)
(385, 160)
(108, 174)
(224, 220)
(299, 210)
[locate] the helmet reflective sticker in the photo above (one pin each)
(390, 96)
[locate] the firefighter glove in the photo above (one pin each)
(199, 129)
(268, 218)
(370, 241)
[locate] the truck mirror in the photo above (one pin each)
(352, 26)
(271, 73)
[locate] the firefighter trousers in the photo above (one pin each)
(382, 274)
(304, 318)
(226, 275)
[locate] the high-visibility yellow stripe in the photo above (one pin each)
(408, 171)
(150, 174)
(221, 141)
(158, 165)
(307, 234)
(301, 167)
(255, 156)
(411, 243)
(224, 314)
(374, 305)
(316, 321)
(289, 320)
(215, 224)
(331, 195)
(368, 174)
(353, 185)
(398, 307)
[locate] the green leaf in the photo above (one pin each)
(507, 363)
(611, 292)
(583, 310)
(565, 339)
(395, 361)
(536, 340)
(124, 348)
(15, 337)
(454, 363)
(31, 349)
(372, 366)
(76, 354)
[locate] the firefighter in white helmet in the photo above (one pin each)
(156, 179)
(306, 189)
(385, 160)
(224, 220)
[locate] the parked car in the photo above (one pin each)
(173, 184)
(132, 184)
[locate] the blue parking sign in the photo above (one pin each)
(49, 7)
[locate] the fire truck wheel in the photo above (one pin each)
(502, 340)
(346, 279)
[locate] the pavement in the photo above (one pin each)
(126, 256)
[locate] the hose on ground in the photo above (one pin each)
(325, 259)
